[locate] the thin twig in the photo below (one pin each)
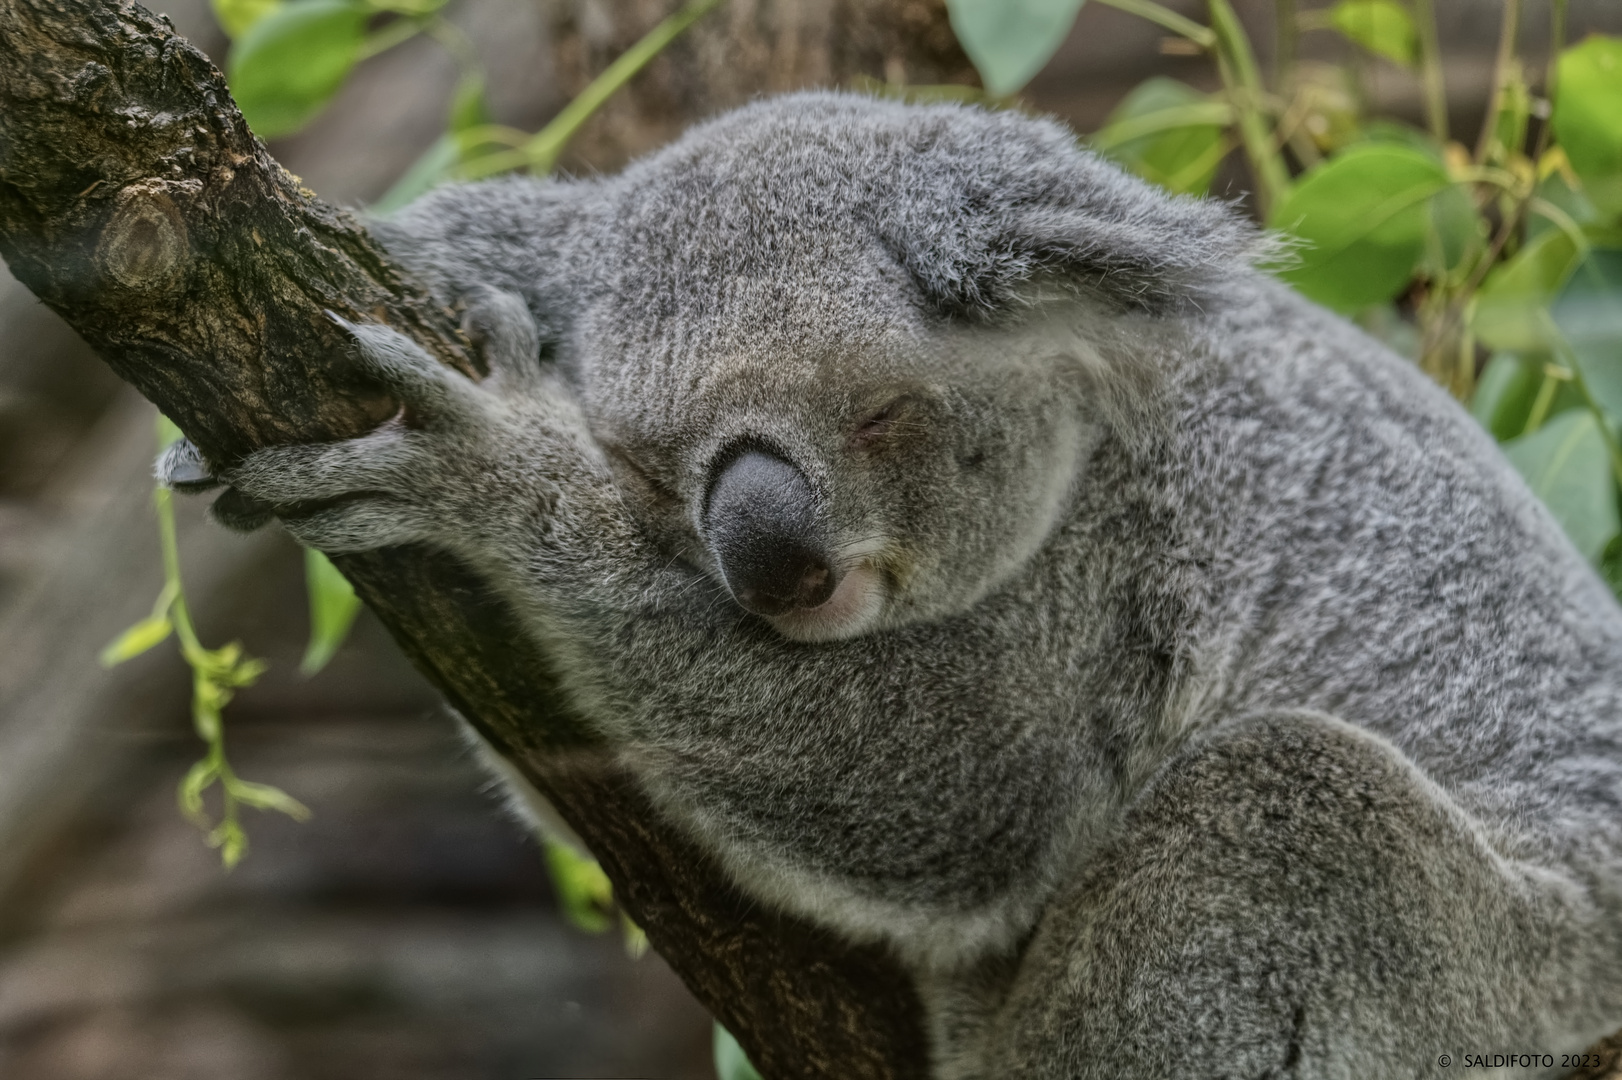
(1167, 18)
(1509, 30)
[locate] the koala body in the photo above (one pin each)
(979, 554)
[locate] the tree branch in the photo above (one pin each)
(136, 203)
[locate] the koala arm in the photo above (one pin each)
(503, 473)
(1290, 896)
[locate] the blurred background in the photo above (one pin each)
(408, 930)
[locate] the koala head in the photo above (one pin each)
(852, 352)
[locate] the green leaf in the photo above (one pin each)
(1568, 465)
(167, 432)
(1385, 323)
(266, 797)
(333, 606)
(150, 631)
(236, 17)
(1554, 190)
(289, 64)
(190, 793)
(731, 1063)
(1459, 231)
(1504, 394)
(409, 7)
(1395, 131)
(584, 892)
(1588, 314)
(231, 840)
(1168, 133)
(1610, 566)
(1364, 218)
(1380, 26)
(1588, 117)
(1511, 310)
(634, 938)
(1010, 40)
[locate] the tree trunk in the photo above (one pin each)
(744, 49)
(136, 203)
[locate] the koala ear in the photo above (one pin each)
(1025, 207)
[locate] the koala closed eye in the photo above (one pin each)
(900, 417)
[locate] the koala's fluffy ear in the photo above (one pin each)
(997, 207)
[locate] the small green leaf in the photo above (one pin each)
(1610, 566)
(333, 606)
(231, 840)
(1386, 324)
(584, 892)
(1588, 117)
(236, 17)
(167, 432)
(1182, 143)
(1565, 199)
(266, 797)
(1458, 230)
(1588, 314)
(190, 793)
(1504, 394)
(731, 1063)
(1395, 131)
(634, 938)
(409, 7)
(1511, 310)
(1010, 40)
(150, 631)
(1380, 26)
(1364, 218)
(290, 63)
(1567, 464)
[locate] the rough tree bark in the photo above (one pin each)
(136, 203)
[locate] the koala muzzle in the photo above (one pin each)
(760, 522)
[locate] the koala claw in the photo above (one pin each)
(239, 512)
(182, 468)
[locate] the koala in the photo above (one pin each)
(980, 553)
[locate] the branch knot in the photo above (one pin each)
(145, 244)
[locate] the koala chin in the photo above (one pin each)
(979, 552)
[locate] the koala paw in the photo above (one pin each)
(404, 481)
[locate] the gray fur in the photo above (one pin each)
(1216, 701)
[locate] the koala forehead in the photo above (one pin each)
(766, 255)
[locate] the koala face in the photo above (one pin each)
(817, 337)
(843, 482)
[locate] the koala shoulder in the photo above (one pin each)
(522, 234)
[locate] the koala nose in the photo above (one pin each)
(760, 521)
